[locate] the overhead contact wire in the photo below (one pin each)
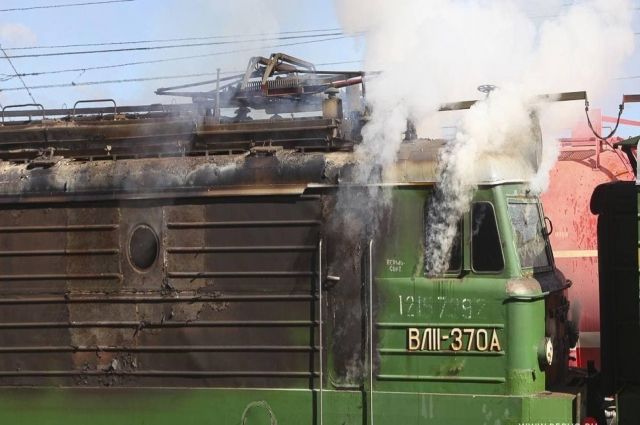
(141, 79)
(171, 46)
(167, 40)
(21, 79)
(57, 6)
(178, 58)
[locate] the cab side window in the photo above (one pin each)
(455, 259)
(486, 251)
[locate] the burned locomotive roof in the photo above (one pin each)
(259, 171)
(195, 149)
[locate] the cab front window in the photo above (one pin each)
(529, 233)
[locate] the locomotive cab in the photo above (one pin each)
(495, 323)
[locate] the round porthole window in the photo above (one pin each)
(143, 247)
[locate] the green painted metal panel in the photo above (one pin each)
(30, 406)
(470, 301)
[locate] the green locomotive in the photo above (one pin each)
(160, 268)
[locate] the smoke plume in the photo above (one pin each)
(440, 51)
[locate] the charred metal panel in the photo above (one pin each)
(309, 132)
(172, 136)
(164, 177)
(97, 138)
(352, 220)
(230, 300)
(263, 171)
(55, 249)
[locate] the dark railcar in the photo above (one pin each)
(617, 207)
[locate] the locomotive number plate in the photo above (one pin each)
(457, 339)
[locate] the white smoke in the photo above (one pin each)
(438, 51)
(485, 135)
(17, 34)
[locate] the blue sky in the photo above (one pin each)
(157, 19)
(154, 19)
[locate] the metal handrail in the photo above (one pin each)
(23, 105)
(115, 107)
(535, 297)
(320, 326)
(371, 359)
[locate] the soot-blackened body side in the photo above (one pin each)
(230, 300)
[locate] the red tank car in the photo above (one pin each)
(584, 163)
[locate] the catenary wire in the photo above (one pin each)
(179, 58)
(142, 79)
(56, 6)
(171, 46)
(24, 85)
(124, 80)
(168, 40)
